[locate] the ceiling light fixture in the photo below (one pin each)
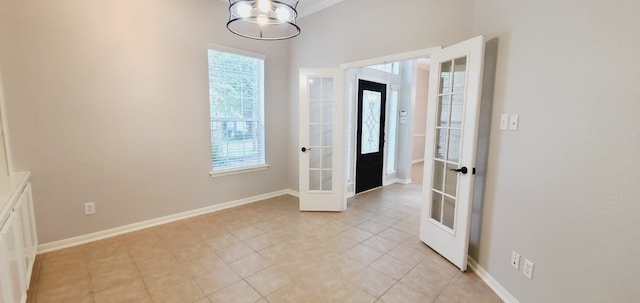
(263, 19)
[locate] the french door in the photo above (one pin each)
(321, 183)
(450, 148)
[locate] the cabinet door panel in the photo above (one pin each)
(24, 209)
(13, 265)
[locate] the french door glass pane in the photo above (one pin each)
(451, 180)
(453, 153)
(320, 133)
(327, 158)
(443, 108)
(456, 110)
(315, 135)
(326, 179)
(441, 143)
(315, 108)
(327, 89)
(314, 158)
(314, 180)
(436, 206)
(371, 106)
(448, 134)
(459, 74)
(327, 135)
(327, 112)
(448, 211)
(315, 89)
(445, 77)
(438, 175)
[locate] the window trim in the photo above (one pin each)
(235, 171)
(236, 51)
(253, 168)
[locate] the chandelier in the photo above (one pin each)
(263, 19)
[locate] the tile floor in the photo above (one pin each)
(267, 251)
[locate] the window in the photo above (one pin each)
(236, 106)
(392, 68)
(392, 133)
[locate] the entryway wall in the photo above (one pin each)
(411, 86)
(419, 106)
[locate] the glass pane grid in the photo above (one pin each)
(320, 134)
(447, 146)
(391, 141)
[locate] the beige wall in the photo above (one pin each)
(564, 190)
(107, 101)
(420, 114)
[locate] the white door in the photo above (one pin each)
(321, 147)
(450, 148)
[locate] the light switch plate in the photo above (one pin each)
(504, 121)
(527, 271)
(513, 122)
(89, 208)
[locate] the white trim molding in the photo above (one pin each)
(235, 171)
(112, 232)
(421, 53)
(404, 181)
(502, 292)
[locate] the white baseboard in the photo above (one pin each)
(291, 192)
(396, 180)
(502, 292)
(404, 181)
(389, 182)
(57, 245)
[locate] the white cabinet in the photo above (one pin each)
(24, 209)
(18, 241)
(13, 257)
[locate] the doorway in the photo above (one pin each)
(372, 98)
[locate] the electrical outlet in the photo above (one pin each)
(513, 121)
(515, 260)
(528, 269)
(89, 208)
(504, 121)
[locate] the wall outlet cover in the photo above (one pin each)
(513, 121)
(89, 208)
(515, 260)
(528, 269)
(504, 122)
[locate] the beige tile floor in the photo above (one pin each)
(267, 251)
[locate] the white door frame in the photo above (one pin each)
(410, 55)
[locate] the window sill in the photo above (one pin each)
(235, 171)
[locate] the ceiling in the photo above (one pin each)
(309, 7)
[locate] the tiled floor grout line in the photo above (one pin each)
(262, 227)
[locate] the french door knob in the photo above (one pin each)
(462, 170)
(304, 149)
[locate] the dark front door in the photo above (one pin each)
(372, 97)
